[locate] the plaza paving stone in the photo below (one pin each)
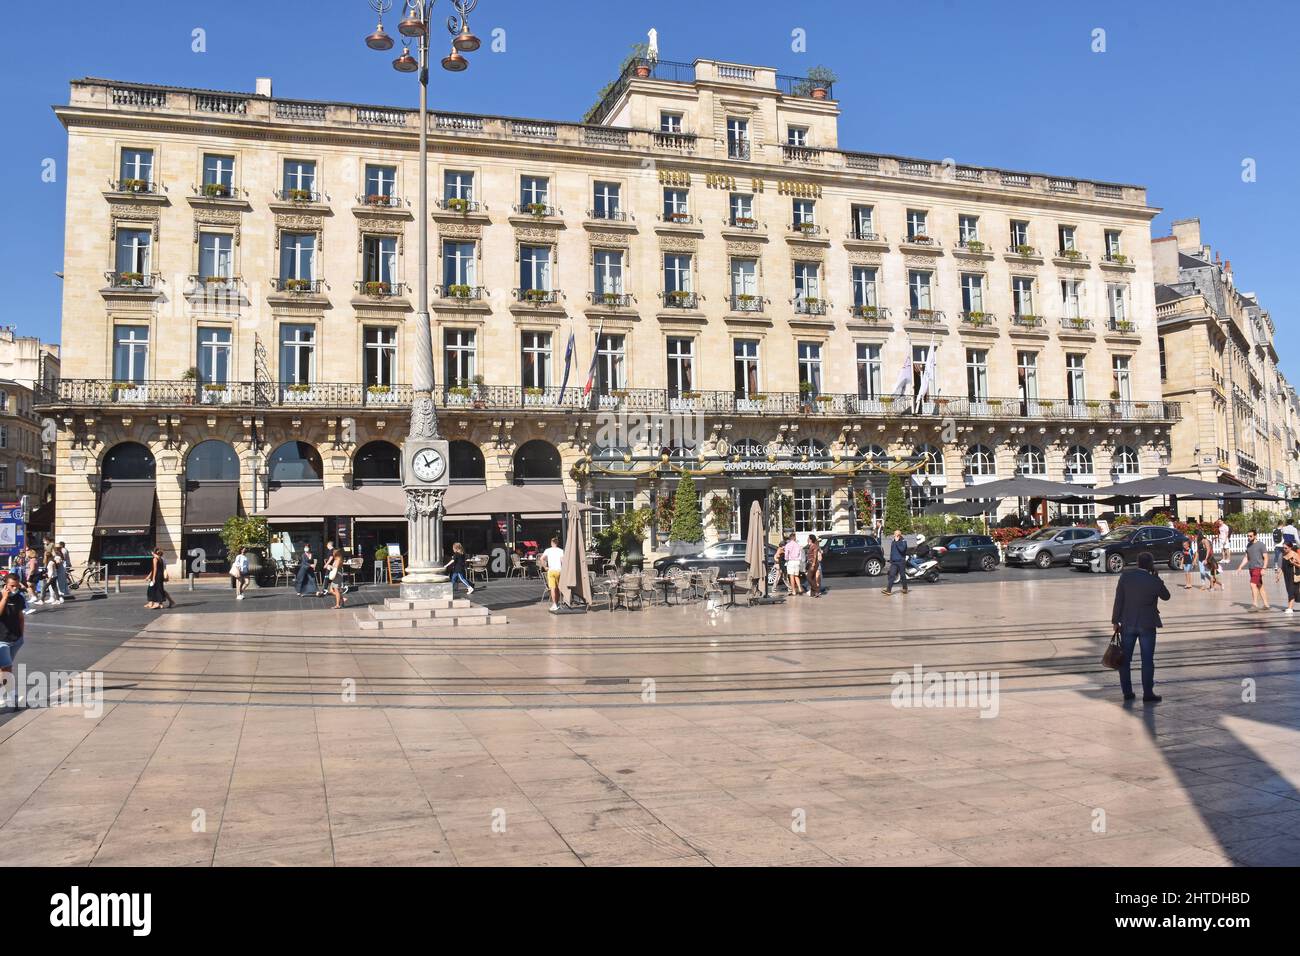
(767, 737)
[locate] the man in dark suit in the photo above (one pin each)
(1137, 615)
(897, 563)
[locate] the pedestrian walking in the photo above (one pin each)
(552, 561)
(1290, 570)
(53, 593)
(239, 570)
(793, 557)
(1190, 561)
(1204, 551)
(1289, 533)
(158, 576)
(1136, 616)
(897, 563)
(305, 577)
(813, 554)
(1224, 549)
(334, 578)
(64, 569)
(35, 575)
(1278, 539)
(457, 565)
(1255, 560)
(13, 607)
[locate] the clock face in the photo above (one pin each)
(428, 464)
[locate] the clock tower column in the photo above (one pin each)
(424, 479)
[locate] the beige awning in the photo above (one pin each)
(516, 499)
(311, 503)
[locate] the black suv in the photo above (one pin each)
(1123, 545)
(852, 554)
(727, 556)
(966, 552)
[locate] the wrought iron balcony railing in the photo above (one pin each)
(537, 296)
(458, 204)
(809, 306)
(380, 289)
(213, 284)
(612, 300)
(298, 286)
(608, 215)
(538, 210)
(870, 313)
(463, 293)
(744, 302)
(141, 186)
(864, 235)
(98, 393)
(143, 281)
(681, 300)
(379, 200)
(299, 195)
(927, 316)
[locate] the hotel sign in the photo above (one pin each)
(763, 466)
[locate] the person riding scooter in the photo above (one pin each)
(920, 553)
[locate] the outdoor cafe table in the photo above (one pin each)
(731, 583)
(666, 583)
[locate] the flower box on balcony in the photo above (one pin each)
(1119, 258)
(130, 278)
(743, 221)
(679, 217)
(378, 199)
(677, 298)
(214, 393)
(458, 205)
(536, 295)
(297, 285)
(824, 401)
(610, 298)
(300, 195)
(866, 311)
(977, 319)
(378, 289)
(923, 315)
(379, 389)
(459, 291)
(920, 238)
(458, 391)
(1072, 254)
(134, 185)
(744, 299)
(1024, 250)
(298, 388)
(215, 280)
(619, 393)
(1123, 325)
(1030, 321)
(974, 245)
(216, 190)
(1078, 323)
(807, 228)
(537, 209)
(215, 386)
(1092, 404)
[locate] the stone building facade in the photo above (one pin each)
(28, 368)
(239, 269)
(1219, 362)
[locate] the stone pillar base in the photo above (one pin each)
(423, 584)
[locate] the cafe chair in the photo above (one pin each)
(516, 569)
(477, 567)
(629, 590)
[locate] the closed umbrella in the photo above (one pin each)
(573, 575)
(756, 570)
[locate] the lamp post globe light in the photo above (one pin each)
(424, 451)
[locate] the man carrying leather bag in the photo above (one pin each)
(1136, 615)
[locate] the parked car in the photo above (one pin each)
(966, 552)
(727, 556)
(1046, 546)
(852, 554)
(1123, 545)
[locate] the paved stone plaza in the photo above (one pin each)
(669, 736)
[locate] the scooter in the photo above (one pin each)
(927, 570)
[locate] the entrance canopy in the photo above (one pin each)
(125, 507)
(307, 504)
(208, 504)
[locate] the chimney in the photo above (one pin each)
(264, 86)
(1188, 234)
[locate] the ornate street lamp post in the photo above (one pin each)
(424, 452)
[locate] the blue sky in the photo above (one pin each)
(1184, 92)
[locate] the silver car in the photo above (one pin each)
(1047, 546)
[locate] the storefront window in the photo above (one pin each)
(812, 510)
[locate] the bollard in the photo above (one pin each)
(117, 584)
(191, 580)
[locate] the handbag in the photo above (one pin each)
(1114, 655)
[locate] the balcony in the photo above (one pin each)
(674, 142)
(136, 187)
(738, 149)
(1028, 321)
(863, 234)
(536, 210)
(379, 201)
(809, 306)
(608, 215)
(925, 316)
(1023, 252)
(681, 300)
(973, 248)
(808, 230)
(457, 204)
(1117, 261)
(677, 219)
(801, 155)
(1070, 257)
(460, 293)
(304, 197)
(610, 300)
(1121, 326)
(978, 319)
(870, 313)
(216, 191)
(921, 242)
(213, 285)
(141, 282)
(1075, 323)
(298, 286)
(745, 302)
(537, 296)
(97, 393)
(747, 223)
(379, 289)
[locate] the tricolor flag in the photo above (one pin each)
(568, 362)
(595, 355)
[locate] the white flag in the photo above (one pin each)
(904, 378)
(927, 377)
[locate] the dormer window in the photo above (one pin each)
(670, 122)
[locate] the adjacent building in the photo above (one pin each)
(1239, 421)
(791, 318)
(29, 369)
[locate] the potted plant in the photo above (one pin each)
(216, 190)
(866, 311)
(536, 295)
(1030, 319)
(679, 216)
(743, 221)
(459, 291)
(130, 278)
(1119, 258)
(807, 228)
(299, 388)
(297, 285)
(1024, 250)
(627, 531)
(609, 298)
(977, 318)
(378, 199)
(919, 237)
(690, 396)
(379, 389)
(817, 83)
(720, 507)
(300, 195)
(134, 185)
(1072, 254)
(190, 374)
(457, 204)
(248, 532)
(537, 209)
(677, 297)
(974, 245)
(377, 289)
(460, 392)
(1124, 325)
(824, 401)
(1078, 322)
